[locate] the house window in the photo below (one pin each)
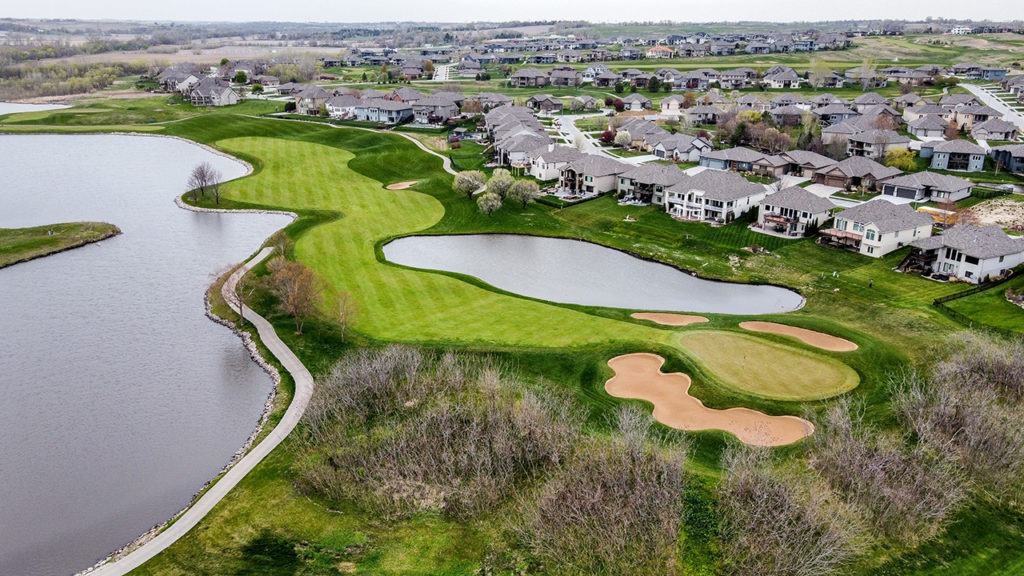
(1001, 258)
(858, 227)
(871, 249)
(870, 235)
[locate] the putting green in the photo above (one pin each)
(767, 369)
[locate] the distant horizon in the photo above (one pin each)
(595, 12)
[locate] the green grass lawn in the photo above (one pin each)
(991, 308)
(23, 244)
(335, 178)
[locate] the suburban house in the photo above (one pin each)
(637, 101)
(311, 100)
(877, 227)
(793, 211)
(927, 187)
(213, 92)
(789, 99)
(515, 150)
(968, 116)
(853, 172)
(867, 79)
(177, 80)
(834, 113)
(788, 115)
(784, 79)
(751, 102)
(661, 52)
(565, 76)
(383, 111)
(434, 109)
(712, 195)
(592, 174)
(544, 103)
(405, 94)
(491, 100)
(928, 127)
(1010, 157)
(805, 163)
(648, 182)
(529, 78)
(951, 101)
(954, 155)
(547, 161)
(607, 79)
(868, 99)
(971, 253)
(672, 105)
(342, 106)
(736, 78)
(738, 159)
(681, 148)
(702, 114)
(875, 143)
(910, 100)
(994, 129)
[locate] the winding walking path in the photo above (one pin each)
(195, 513)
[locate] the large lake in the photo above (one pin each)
(574, 272)
(119, 399)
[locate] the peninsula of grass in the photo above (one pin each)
(336, 178)
(24, 244)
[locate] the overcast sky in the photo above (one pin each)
(483, 10)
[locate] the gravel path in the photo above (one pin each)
(195, 513)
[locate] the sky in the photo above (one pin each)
(482, 10)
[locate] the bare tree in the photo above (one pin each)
(777, 523)
(243, 290)
(297, 288)
(952, 131)
(346, 311)
(468, 182)
(204, 178)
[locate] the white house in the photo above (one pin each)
(971, 253)
(648, 182)
(877, 227)
(548, 161)
(927, 186)
(343, 106)
(592, 174)
(712, 195)
(792, 211)
(681, 148)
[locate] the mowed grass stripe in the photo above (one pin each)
(394, 303)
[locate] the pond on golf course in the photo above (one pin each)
(120, 399)
(577, 272)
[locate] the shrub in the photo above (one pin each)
(776, 523)
(401, 432)
(615, 509)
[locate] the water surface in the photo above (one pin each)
(574, 272)
(119, 399)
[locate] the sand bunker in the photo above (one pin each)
(669, 319)
(402, 185)
(816, 339)
(1002, 211)
(639, 376)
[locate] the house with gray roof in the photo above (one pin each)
(994, 129)
(546, 162)
(592, 174)
(545, 103)
(702, 114)
(834, 113)
(311, 100)
(868, 99)
(877, 227)
(910, 100)
(793, 211)
(927, 187)
(875, 143)
(491, 100)
(637, 101)
(928, 127)
(783, 79)
(1010, 157)
(855, 172)
(805, 163)
(712, 196)
(681, 148)
(788, 115)
(213, 92)
(565, 76)
(405, 94)
(751, 102)
(954, 155)
(529, 78)
(971, 253)
(789, 99)
(738, 159)
(434, 109)
(342, 106)
(648, 182)
(383, 111)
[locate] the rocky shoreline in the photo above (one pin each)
(268, 406)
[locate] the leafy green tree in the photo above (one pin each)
(241, 77)
(257, 88)
(901, 158)
(524, 191)
(654, 85)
